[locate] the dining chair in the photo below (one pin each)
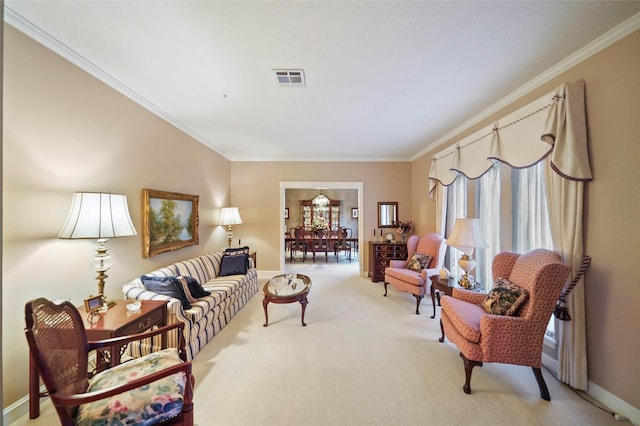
(343, 243)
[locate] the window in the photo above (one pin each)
(512, 207)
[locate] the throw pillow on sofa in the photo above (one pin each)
(239, 250)
(168, 286)
(418, 262)
(505, 298)
(234, 264)
(195, 287)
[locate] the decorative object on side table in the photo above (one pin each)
(98, 215)
(466, 237)
(230, 216)
(404, 228)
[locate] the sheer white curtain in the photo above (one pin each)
(488, 208)
(456, 208)
(531, 228)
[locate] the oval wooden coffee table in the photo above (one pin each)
(286, 289)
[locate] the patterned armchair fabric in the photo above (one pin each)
(410, 281)
(483, 337)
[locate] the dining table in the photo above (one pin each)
(331, 239)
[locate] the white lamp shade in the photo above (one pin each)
(230, 216)
(98, 215)
(466, 235)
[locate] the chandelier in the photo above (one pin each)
(320, 201)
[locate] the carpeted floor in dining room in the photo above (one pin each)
(363, 359)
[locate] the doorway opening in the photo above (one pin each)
(320, 186)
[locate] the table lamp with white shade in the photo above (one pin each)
(230, 216)
(98, 215)
(466, 236)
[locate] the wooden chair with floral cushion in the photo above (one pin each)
(508, 324)
(153, 389)
(425, 258)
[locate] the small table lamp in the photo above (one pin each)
(102, 216)
(466, 236)
(230, 216)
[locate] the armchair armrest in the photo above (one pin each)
(398, 264)
(510, 340)
(468, 296)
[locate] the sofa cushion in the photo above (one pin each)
(505, 298)
(407, 276)
(168, 286)
(235, 264)
(418, 262)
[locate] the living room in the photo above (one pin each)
(66, 131)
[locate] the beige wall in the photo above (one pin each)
(612, 231)
(255, 189)
(63, 132)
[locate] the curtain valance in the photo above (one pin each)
(553, 125)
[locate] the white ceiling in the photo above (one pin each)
(386, 80)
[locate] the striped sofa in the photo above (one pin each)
(209, 314)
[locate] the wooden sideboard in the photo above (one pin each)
(380, 253)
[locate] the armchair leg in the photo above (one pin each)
(468, 368)
(418, 300)
(385, 288)
(544, 391)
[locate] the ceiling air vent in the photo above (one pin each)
(290, 78)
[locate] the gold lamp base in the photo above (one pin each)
(466, 263)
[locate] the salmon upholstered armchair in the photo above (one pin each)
(151, 390)
(411, 275)
(510, 334)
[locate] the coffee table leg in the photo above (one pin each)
(303, 302)
(265, 302)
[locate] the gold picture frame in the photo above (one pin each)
(169, 221)
(93, 304)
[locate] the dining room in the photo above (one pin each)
(321, 225)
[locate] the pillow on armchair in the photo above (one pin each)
(418, 262)
(505, 298)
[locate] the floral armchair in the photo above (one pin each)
(425, 258)
(513, 336)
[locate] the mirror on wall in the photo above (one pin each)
(387, 214)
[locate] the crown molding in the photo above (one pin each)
(27, 27)
(607, 39)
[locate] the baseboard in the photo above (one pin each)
(616, 404)
(18, 409)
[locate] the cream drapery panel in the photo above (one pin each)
(552, 127)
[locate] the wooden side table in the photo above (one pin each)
(446, 286)
(115, 322)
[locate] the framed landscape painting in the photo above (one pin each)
(169, 221)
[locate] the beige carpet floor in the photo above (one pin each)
(363, 359)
